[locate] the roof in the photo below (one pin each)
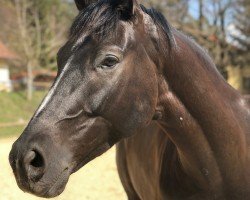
(5, 53)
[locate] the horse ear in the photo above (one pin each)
(81, 4)
(125, 7)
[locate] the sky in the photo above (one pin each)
(194, 8)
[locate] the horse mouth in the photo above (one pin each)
(41, 189)
(90, 156)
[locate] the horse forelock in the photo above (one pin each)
(98, 18)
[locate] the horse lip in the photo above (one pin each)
(63, 176)
(90, 156)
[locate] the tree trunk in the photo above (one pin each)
(201, 15)
(29, 81)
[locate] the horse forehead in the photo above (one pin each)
(124, 33)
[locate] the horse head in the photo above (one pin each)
(106, 89)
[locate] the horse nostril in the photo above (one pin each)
(37, 161)
(35, 165)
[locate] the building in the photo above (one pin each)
(6, 58)
(42, 79)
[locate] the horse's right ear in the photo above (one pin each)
(81, 4)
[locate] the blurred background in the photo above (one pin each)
(30, 36)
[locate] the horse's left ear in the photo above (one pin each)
(126, 8)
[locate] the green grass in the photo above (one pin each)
(11, 131)
(14, 107)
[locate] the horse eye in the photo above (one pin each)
(109, 62)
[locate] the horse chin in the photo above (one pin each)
(59, 186)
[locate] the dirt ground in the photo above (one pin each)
(97, 180)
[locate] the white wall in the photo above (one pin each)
(5, 83)
(4, 75)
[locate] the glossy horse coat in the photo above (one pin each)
(126, 76)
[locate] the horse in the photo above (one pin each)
(127, 77)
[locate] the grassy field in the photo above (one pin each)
(15, 108)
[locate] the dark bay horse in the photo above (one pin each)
(127, 77)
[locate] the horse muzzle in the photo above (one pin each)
(38, 170)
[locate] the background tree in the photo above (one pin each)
(241, 55)
(29, 28)
(40, 28)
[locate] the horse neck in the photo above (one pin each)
(201, 113)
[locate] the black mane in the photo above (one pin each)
(101, 19)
